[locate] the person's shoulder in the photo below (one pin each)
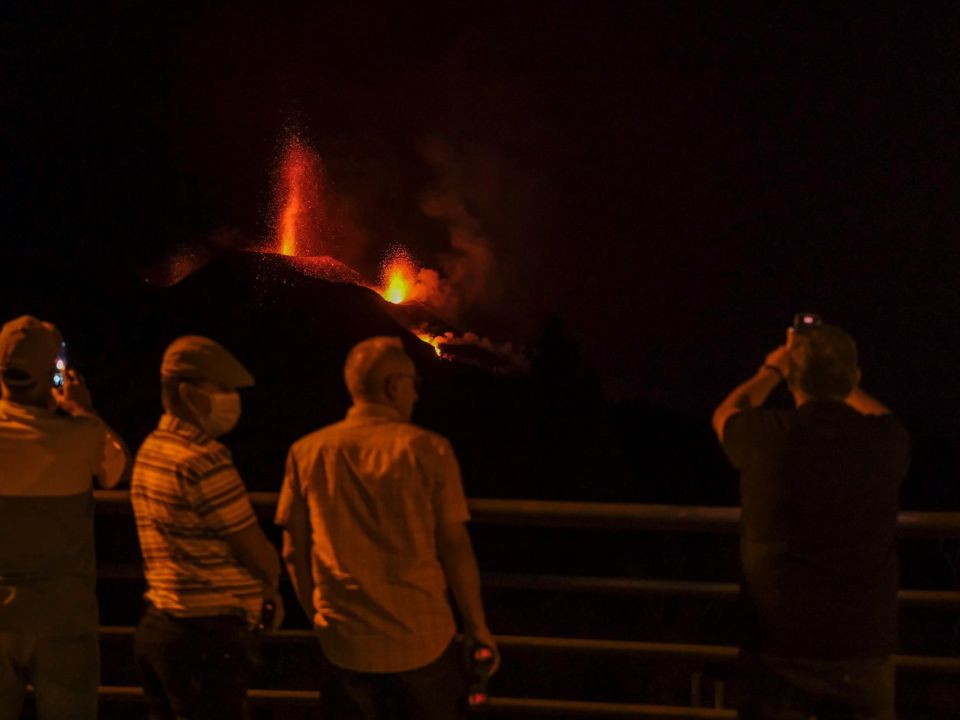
(888, 425)
(754, 418)
(423, 440)
(178, 452)
(318, 438)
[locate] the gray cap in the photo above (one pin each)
(28, 350)
(199, 358)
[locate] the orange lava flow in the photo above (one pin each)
(434, 340)
(398, 275)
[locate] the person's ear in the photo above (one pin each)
(188, 395)
(183, 393)
(390, 387)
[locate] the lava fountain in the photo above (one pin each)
(398, 276)
(300, 201)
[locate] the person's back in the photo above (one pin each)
(52, 447)
(819, 489)
(819, 493)
(374, 516)
(46, 518)
(375, 487)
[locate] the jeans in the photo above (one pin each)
(778, 688)
(195, 668)
(63, 669)
(436, 691)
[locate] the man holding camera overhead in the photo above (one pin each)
(52, 446)
(819, 487)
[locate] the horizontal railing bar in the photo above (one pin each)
(609, 586)
(496, 704)
(686, 651)
(561, 513)
(136, 692)
(620, 647)
(583, 708)
(683, 588)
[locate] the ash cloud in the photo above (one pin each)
(468, 266)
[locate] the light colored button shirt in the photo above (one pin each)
(374, 489)
(48, 461)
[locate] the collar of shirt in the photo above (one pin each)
(186, 430)
(373, 411)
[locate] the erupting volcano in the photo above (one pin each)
(311, 224)
(300, 201)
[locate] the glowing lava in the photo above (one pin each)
(434, 340)
(299, 197)
(398, 276)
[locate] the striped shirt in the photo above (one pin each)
(187, 496)
(373, 490)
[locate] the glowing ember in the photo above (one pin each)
(398, 276)
(299, 198)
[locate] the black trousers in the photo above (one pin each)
(433, 692)
(779, 688)
(195, 668)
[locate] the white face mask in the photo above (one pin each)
(224, 413)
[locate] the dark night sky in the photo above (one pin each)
(674, 180)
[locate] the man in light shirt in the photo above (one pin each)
(52, 446)
(374, 518)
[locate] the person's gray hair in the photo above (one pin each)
(363, 370)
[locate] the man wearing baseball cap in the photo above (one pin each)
(210, 570)
(52, 446)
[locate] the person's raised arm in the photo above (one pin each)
(754, 391)
(460, 568)
(75, 399)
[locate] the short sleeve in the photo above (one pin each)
(220, 499)
(736, 436)
(449, 500)
(897, 442)
(113, 462)
(291, 505)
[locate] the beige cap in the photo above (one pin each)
(28, 350)
(199, 358)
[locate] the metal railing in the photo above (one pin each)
(670, 519)
(658, 518)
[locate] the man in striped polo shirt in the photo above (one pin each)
(210, 570)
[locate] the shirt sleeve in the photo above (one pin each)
(113, 463)
(449, 500)
(219, 497)
(736, 437)
(291, 504)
